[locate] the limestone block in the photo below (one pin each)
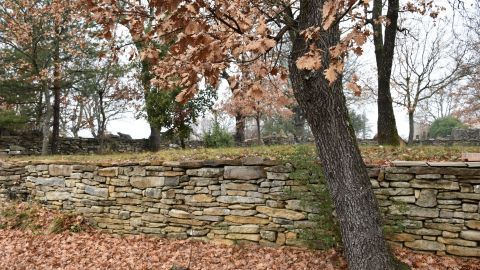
(398, 176)
(199, 198)
(205, 172)
(95, 191)
(457, 242)
(473, 224)
(52, 181)
(110, 172)
(443, 227)
(469, 207)
(277, 176)
(268, 235)
(470, 235)
(150, 217)
(59, 170)
(440, 184)
(153, 193)
(244, 172)
(216, 211)
(394, 191)
(425, 245)
(239, 236)
(197, 232)
(281, 213)
(244, 229)
(176, 213)
(57, 196)
(405, 199)
(246, 220)
(403, 237)
(239, 199)
(243, 213)
(427, 198)
(400, 184)
(463, 251)
(424, 232)
(147, 182)
(428, 176)
(414, 211)
(241, 186)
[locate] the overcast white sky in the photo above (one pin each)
(139, 128)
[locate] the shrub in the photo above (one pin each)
(443, 127)
(11, 121)
(218, 137)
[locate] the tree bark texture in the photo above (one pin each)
(154, 140)
(259, 132)
(411, 125)
(46, 119)
(57, 87)
(299, 124)
(239, 129)
(384, 52)
(346, 175)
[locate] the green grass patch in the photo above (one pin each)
(371, 154)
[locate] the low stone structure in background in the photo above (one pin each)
(434, 206)
(466, 134)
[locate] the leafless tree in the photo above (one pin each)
(425, 67)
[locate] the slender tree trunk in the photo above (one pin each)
(411, 125)
(239, 129)
(346, 176)
(46, 120)
(39, 111)
(102, 126)
(259, 134)
(182, 143)
(384, 52)
(56, 98)
(299, 124)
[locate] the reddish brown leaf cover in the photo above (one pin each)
(24, 250)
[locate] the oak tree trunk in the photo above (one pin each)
(384, 52)
(239, 129)
(346, 176)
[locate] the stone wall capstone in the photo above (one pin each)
(434, 206)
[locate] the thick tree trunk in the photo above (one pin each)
(346, 176)
(154, 140)
(239, 129)
(411, 130)
(384, 52)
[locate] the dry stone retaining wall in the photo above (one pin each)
(434, 206)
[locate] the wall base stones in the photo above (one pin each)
(432, 207)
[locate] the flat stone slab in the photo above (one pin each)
(473, 164)
(402, 163)
(447, 164)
